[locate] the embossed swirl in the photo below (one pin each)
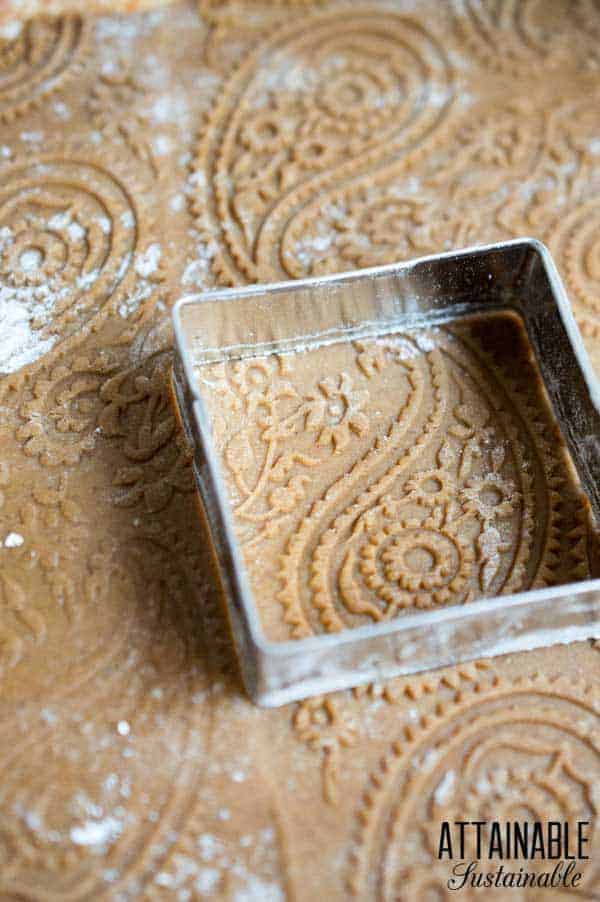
(68, 230)
(37, 59)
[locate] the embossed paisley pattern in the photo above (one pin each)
(457, 198)
(417, 474)
(576, 242)
(67, 236)
(146, 157)
(561, 203)
(521, 35)
(36, 59)
(342, 93)
(477, 760)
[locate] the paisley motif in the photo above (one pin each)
(343, 92)
(440, 492)
(453, 198)
(514, 752)
(36, 60)
(520, 35)
(68, 233)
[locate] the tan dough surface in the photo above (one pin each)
(159, 154)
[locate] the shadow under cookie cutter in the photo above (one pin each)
(247, 322)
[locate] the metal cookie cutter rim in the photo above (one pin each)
(518, 275)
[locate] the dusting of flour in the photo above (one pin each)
(20, 343)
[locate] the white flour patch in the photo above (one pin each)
(21, 344)
(207, 880)
(30, 260)
(48, 716)
(60, 220)
(177, 202)
(162, 145)
(61, 110)
(146, 264)
(209, 846)
(197, 271)
(32, 137)
(257, 890)
(169, 108)
(443, 791)
(95, 833)
(13, 540)
(309, 249)
(11, 30)
(87, 279)
(131, 304)
(75, 231)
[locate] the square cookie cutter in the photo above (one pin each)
(267, 319)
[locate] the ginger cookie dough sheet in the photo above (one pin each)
(147, 156)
